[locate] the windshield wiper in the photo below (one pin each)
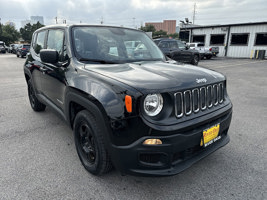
(97, 61)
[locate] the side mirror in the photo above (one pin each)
(49, 56)
(187, 47)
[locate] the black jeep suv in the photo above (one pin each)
(178, 51)
(128, 108)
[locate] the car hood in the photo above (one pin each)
(157, 76)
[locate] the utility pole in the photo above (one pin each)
(194, 13)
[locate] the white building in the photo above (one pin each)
(233, 40)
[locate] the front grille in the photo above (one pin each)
(196, 99)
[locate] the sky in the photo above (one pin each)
(134, 13)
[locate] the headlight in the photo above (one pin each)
(153, 104)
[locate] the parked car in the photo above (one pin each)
(14, 48)
(177, 50)
(10, 48)
(136, 112)
(205, 52)
(6, 47)
(2, 49)
(22, 50)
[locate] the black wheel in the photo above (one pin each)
(17, 55)
(89, 143)
(195, 60)
(35, 103)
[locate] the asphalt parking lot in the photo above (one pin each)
(39, 161)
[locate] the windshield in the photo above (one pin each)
(113, 45)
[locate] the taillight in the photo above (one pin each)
(23, 49)
(210, 49)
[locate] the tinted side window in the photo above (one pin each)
(39, 42)
(173, 45)
(164, 45)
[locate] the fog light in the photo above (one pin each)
(152, 142)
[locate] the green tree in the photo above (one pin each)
(27, 31)
(174, 35)
(160, 33)
(148, 28)
(8, 34)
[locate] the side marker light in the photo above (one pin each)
(128, 103)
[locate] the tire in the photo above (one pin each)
(17, 55)
(195, 60)
(35, 103)
(89, 143)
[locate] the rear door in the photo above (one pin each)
(35, 63)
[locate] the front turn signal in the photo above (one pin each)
(128, 103)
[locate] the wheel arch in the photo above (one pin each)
(77, 100)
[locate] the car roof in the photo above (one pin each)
(67, 26)
(166, 39)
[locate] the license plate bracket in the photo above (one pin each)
(210, 135)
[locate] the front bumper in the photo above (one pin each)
(176, 153)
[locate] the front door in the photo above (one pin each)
(54, 81)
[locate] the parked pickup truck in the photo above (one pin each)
(205, 52)
(133, 110)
